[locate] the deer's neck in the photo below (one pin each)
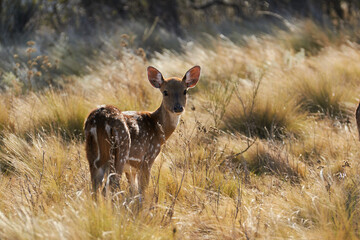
(166, 120)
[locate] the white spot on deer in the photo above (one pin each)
(94, 133)
(107, 129)
(127, 131)
(117, 136)
(174, 120)
(161, 130)
(131, 113)
(134, 159)
(101, 106)
(135, 125)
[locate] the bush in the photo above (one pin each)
(267, 158)
(264, 118)
(317, 93)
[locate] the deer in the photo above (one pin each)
(357, 116)
(118, 142)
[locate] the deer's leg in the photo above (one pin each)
(120, 152)
(120, 146)
(97, 176)
(116, 169)
(131, 177)
(144, 177)
(93, 155)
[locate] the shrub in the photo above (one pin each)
(264, 118)
(271, 158)
(317, 93)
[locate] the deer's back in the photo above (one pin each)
(136, 135)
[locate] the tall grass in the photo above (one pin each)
(50, 112)
(258, 113)
(250, 159)
(317, 93)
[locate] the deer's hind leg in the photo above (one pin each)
(97, 176)
(120, 148)
(93, 155)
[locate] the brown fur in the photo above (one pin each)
(119, 141)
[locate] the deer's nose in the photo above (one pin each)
(178, 108)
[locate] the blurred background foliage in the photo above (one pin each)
(19, 17)
(43, 41)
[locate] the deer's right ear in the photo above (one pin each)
(155, 77)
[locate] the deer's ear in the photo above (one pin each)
(192, 77)
(155, 77)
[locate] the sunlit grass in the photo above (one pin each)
(267, 148)
(5, 121)
(264, 117)
(311, 38)
(317, 93)
(50, 112)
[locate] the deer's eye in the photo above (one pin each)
(166, 93)
(185, 92)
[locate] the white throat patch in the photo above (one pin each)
(174, 119)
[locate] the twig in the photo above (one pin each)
(243, 151)
(239, 153)
(42, 171)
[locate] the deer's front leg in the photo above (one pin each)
(131, 177)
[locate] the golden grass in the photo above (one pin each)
(5, 121)
(50, 111)
(296, 179)
(265, 118)
(311, 38)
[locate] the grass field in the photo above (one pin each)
(267, 149)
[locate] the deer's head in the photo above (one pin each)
(174, 89)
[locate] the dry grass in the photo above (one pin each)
(297, 179)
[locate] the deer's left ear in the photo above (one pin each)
(192, 77)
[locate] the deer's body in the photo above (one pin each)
(129, 142)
